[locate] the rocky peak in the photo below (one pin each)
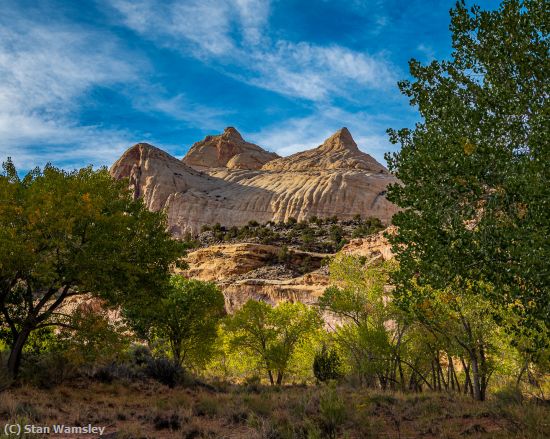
(227, 150)
(339, 151)
(231, 134)
(341, 140)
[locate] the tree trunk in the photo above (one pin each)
(467, 379)
(401, 375)
(280, 377)
(271, 380)
(14, 360)
(476, 378)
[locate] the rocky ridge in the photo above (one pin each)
(220, 181)
(339, 151)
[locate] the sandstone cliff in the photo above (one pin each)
(334, 179)
(251, 271)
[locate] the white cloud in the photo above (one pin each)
(310, 131)
(205, 27)
(427, 51)
(183, 109)
(45, 71)
(316, 73)
(231, 34)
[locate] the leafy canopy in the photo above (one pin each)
(475, 189)
(186, 317)
(69, 233)
(272, 334)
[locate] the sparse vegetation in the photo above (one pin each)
(316, 235)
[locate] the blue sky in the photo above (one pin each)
(81, 81)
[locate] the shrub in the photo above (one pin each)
(284, 255)
(207, 406)
(47, 370)
(508, 395)
(164, 371)
(326, 365)
(333, 412)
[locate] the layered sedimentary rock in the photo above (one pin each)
(334, 179)
(249, 271)
(372, 247)
(228, 150)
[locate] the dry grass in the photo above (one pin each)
(150, 410)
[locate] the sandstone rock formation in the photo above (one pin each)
(242, 270)
(334, 179)
(372, 247)
(339, 151)
(227, 150)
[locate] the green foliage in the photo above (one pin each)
(91, 338)
(272, 334)
(66, 233)
(475, 172)
(185, 320)
(326, 365)
(372, 349)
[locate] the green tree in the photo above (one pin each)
(90, 337)
(358, 298)
(272, 334)
(475, 192)
(186, 318)
(326, 364)
(64, 234)
(463, 324)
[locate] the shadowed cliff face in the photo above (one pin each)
(334, 179)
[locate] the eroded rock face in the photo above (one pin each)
(372, 247)
(248, 271)
(228, 150)
(334, 179)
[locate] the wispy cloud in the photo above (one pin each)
(46, 75)
(44, 71)
(181, 108)
(427, 51)
(299, 134)
(231, 34)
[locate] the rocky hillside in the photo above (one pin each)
(226, 180)
(274, 273)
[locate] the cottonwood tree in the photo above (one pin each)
(272, 334)
(186, 318)
(461, 324)
(64, 234)
(372, 330)
(475, 180)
